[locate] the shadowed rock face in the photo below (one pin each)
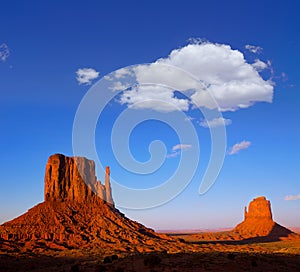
(74, 179)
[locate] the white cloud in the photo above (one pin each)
(123, 72)
(238, 147)
(86, 75)
(215, 122)
(189, 118)
(181, 147)
(292, 197)
(284, 76)
(154, 97)
(119, 86)
(4, 52)
(177, 148)
(221, 73)
(259, 65)
(254, 49)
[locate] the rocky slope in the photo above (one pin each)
(78, 212)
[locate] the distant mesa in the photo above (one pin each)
(258, 221)
(258, 226)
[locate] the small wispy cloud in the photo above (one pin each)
(189, 118)
(259, 65)
(4, 52)
(292, 197)
(220, 121)
(284, 76)
(177, 148)
(238, 147)
(254, 49)
(181, 147)
(86, 75)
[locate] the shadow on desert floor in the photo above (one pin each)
(277, 234)
(157, 261)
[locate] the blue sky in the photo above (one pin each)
(42, 45)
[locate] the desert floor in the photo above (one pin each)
(200, 255)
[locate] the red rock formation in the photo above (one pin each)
(74, 216)
(108, 197)
(258, 221)
(258, 226)
(70, 179)
(74, 179)
(259, 208)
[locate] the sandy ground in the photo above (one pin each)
(197, 256)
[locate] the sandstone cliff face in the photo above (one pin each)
(259, 208)
(258, 221)
(74, 179)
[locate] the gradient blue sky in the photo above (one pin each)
(49, 41)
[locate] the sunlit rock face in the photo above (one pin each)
(74, 179)
(259, 208)
(258, 221)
